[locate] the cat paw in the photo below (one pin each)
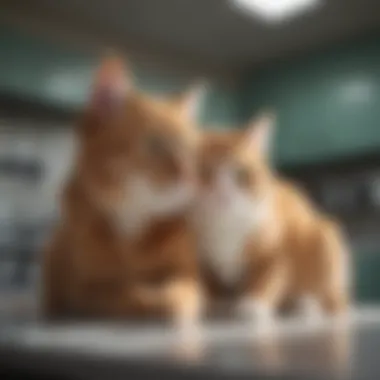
(255, 310)
(310, 310)
(341, 319)
(189, 341)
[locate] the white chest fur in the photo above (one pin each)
(223, 234)
(145, 201)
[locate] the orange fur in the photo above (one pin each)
(291, 250)
(118, 252)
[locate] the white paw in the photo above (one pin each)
(189, 338)
(341, 319)
(310, 310)
(255, 310)
(188, 344)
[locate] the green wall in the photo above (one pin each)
(33, 68)
(328, 104)
(367, 276)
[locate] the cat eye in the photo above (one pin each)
(242, 175)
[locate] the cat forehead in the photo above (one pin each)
(220, 144)
(155, 114)
(226, 146)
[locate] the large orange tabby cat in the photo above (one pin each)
(261, 240)
(122, 233)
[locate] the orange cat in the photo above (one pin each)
(260, 239)
(122, 247)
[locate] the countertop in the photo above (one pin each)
(291, 349)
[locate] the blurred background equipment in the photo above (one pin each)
(316, 62)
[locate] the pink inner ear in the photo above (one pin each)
(260, 133)
(106, 98)
(192, 101)
(111, 85)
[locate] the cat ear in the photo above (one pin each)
(111, 86)
(190, 102)
(260, 133)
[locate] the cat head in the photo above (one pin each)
(136, 152)
(234, 168)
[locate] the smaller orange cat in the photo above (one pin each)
(122, 247)
(260, 238)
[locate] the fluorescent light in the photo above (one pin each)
(276, 10)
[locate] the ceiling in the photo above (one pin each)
(208, 33)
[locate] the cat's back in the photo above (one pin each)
(298, 219)
(305, 227)
(292, 202)
(298, 207)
